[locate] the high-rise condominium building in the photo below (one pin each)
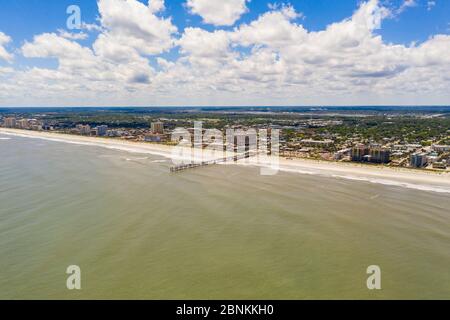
(9, 122)
(418, 160)
(157, 127)
(102, 130)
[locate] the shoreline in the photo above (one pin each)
(404, 177)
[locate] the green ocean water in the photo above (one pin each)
(221, 232)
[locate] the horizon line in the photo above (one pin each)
(240, 106)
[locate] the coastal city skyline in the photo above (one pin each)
(230, 52)
(397, 137)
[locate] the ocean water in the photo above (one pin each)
(220, 232)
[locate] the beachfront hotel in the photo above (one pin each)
(157, 127)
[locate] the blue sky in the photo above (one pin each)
(21, 20)
(24, 18)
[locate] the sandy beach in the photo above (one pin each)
(402, 177)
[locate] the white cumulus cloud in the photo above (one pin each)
(407, 4)
(273, 59)
(4, 54)
(218, 12)
(131, 25)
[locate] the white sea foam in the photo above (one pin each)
(107, 145)
(385, 181)
(398, 184)
(136, 159)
